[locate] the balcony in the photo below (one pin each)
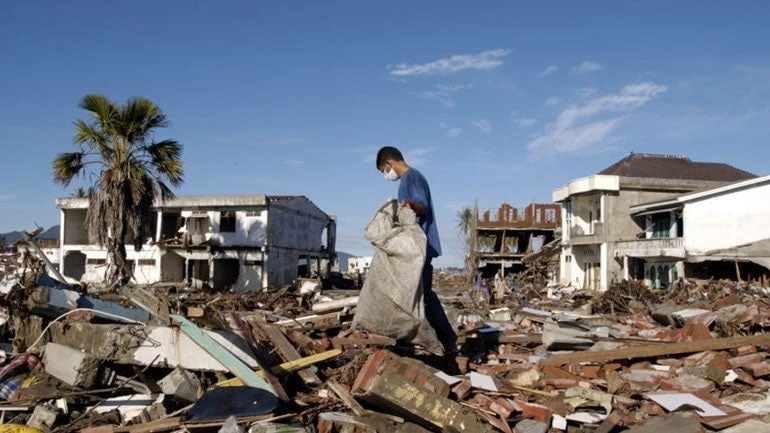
(578, 235)
(652, 247)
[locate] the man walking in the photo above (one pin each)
(414, 192)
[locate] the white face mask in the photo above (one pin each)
(391, 175)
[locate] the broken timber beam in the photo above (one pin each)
(651, 351)
(339, 304)
(235, 365)
(346, 398)
(288, 352)
(267, 374)
(288, 367)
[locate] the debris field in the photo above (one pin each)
(538, 359)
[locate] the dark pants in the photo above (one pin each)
(434, 311)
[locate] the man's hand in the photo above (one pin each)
(417, 207)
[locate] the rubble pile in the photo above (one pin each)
(146, 359)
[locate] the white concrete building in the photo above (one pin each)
(247, 242)
(359, 265)
(596, 212)
(703, 234)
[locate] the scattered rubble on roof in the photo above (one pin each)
(533, 359)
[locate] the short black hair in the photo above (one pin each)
(387, 153)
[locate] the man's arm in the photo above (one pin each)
(418, 208)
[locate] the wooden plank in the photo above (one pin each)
(149, 303)
(288, 367)
(233, 364)
(324, 321)
(346, 398)
(339, 304)
(288, 352)
(655, 350)
(246, 331)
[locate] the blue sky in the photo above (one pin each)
(496, 101)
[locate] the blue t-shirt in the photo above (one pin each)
(414, 187)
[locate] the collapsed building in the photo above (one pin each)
(238, 242)
(605, 236)
(718, 233)
(504, 236)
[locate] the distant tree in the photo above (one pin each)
(131, 170)
(466, 225)
(2, 241)
(80, 193)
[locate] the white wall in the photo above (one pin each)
(727, 220)
(250, 229)
(296, 224)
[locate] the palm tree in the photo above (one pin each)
(131, 170)
(466, 225)
(80, 193)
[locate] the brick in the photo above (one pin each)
(411, 370)
(534, 411)
(745, 350)
(461, 389)
(503, 407)
(462, 364)
(561, 383)
(758, 369)
(481, 401)
(612, 366)
(740, 361)
(671, 362)
(590, 371)
(393, 394)
(745, 377)
(558, 373)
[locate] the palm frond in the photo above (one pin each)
(104, 111)
(66, 166)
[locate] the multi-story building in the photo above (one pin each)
(239, 242)
(722, 232)
(505, 235)
(596, 212)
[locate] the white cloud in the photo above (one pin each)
(459, 62)
(293, 162)
(483, 125)
(553, 100)
(453, 132)
(585, 92)
(444, 94)
(524, 121)
(550, 69)
(579, 128)
(416, 157)
(587, 66)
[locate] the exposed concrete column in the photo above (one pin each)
(625, 268)
(604, 267)
(159, 227)
(673, 227)
(61, 240)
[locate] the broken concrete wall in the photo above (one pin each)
(297, 224)
(727, 220)
(249, 229)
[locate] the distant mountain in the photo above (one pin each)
(11, 237)
(343, 257)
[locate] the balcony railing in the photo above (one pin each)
(576, 231)
(652, 247)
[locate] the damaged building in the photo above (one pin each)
(505, 235)
(243, 243)
(718, 233)
(597, 221)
